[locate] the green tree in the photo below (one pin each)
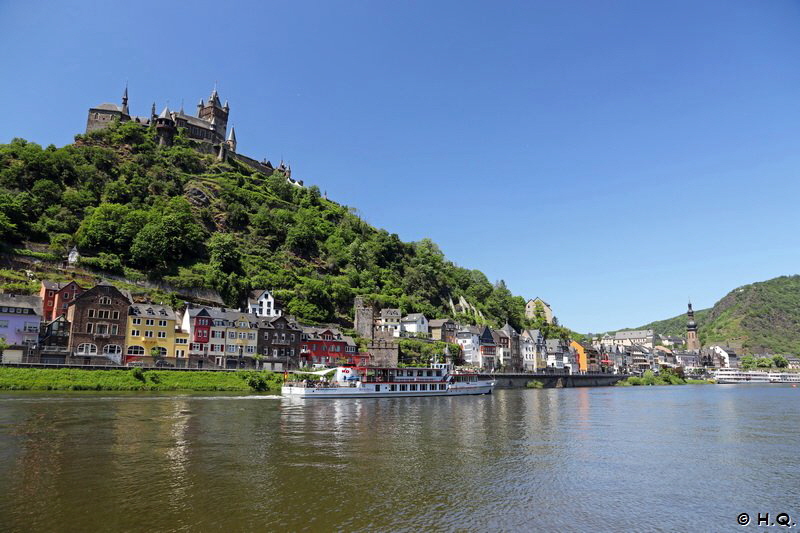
(780, 361)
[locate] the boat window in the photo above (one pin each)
(438, 372)
(442, 387)
(393, 388)
(377, 388)
(403, 387)
(430, 372)
(423, 387)
(419, 372)
(413, 387)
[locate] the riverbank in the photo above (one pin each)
(137, 379)
(664, 378)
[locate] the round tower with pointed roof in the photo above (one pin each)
(165, 127)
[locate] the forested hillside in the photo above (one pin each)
(175, 214)
(676, 325)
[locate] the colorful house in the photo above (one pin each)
(20, 318)
(580, 353)
(151, 335)
(327, 346)
(56, 298)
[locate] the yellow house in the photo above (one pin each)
(151, 334)
(531, 306)
(582, 365)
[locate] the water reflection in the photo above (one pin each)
(610, 459)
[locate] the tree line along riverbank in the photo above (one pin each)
(665, 377)
(136, 379)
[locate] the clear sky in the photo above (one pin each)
(611, 157)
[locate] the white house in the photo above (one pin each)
(469, 340)
(414, 323)
(262, 304)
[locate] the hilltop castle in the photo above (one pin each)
(209, 126)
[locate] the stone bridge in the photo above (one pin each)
(521, 380)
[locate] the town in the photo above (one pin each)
(68, 324)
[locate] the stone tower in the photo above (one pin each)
(364, 318)
(692, 342)
(165, 127)
(216, 114)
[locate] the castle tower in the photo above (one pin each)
(214, 113)
(231, 142)
(125, 101)
(692, 342)
(364, 317)
(165, 127)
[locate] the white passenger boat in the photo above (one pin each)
(365, 382)
(784, 377)
(736, 375)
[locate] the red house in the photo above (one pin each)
(327, 346)
(56, 297)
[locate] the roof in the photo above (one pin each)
(553, 344)
(390, 311)
(634, 334)
(51, 285)
(165, 113)
(537, 299)
(255, 295)
(150, 310)
(194, 121)
(413, 316)
(232, 134)
(439, 322)
(22, 301)
(508, 330)
(108, 107)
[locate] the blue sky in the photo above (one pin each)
(613, 157)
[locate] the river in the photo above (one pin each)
(611, 459)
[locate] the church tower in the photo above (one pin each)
(692, 343)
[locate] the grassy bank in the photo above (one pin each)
(137, 379)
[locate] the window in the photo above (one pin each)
(162, 334)
(105, 300)
(115, 315)
(180, 353)
(217, 334)
(162, 323)
(87, 349)
(102, 329)
(114, 329)
(89, 327)
(231, 348)
(392, 388)
(251, 349)
(103, 314)
(242, 335)
(413, 387)
(275, 352)
(148, 334)
(423, 387)
(3, 323)
(112, 349)
(136, 321)
(49, 303)
(403, 388)
(196, 347)
(66, 296)
(292, 337)
(231, 334)
(442, 386)
(50, 293)
(251, 336)
(148, 322)
(181, 341)
(134, 333)
(160, 351)
(266, 335)
(135, 350)
(91, 313)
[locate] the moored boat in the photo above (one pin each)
(738, 376)
(366, 382)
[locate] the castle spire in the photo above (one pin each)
(231, 142)
(153, 111)
(125, 100)
(232, 134)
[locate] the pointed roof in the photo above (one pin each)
(165, 113)
(232, 134)
(201, 103)
(214, 98)
(226, 106)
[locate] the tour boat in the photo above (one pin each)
(735, 375)
(439, 379)
(784, 377)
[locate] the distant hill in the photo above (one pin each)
(756, 318)
(676, 325)
(760, 317)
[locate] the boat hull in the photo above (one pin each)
(362, 392)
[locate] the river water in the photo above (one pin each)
(688, 458)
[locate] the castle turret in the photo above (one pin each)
(692, 342)
(153, 115)
(125, 101)
(200, 106)
(165, 127)
(231, 142)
